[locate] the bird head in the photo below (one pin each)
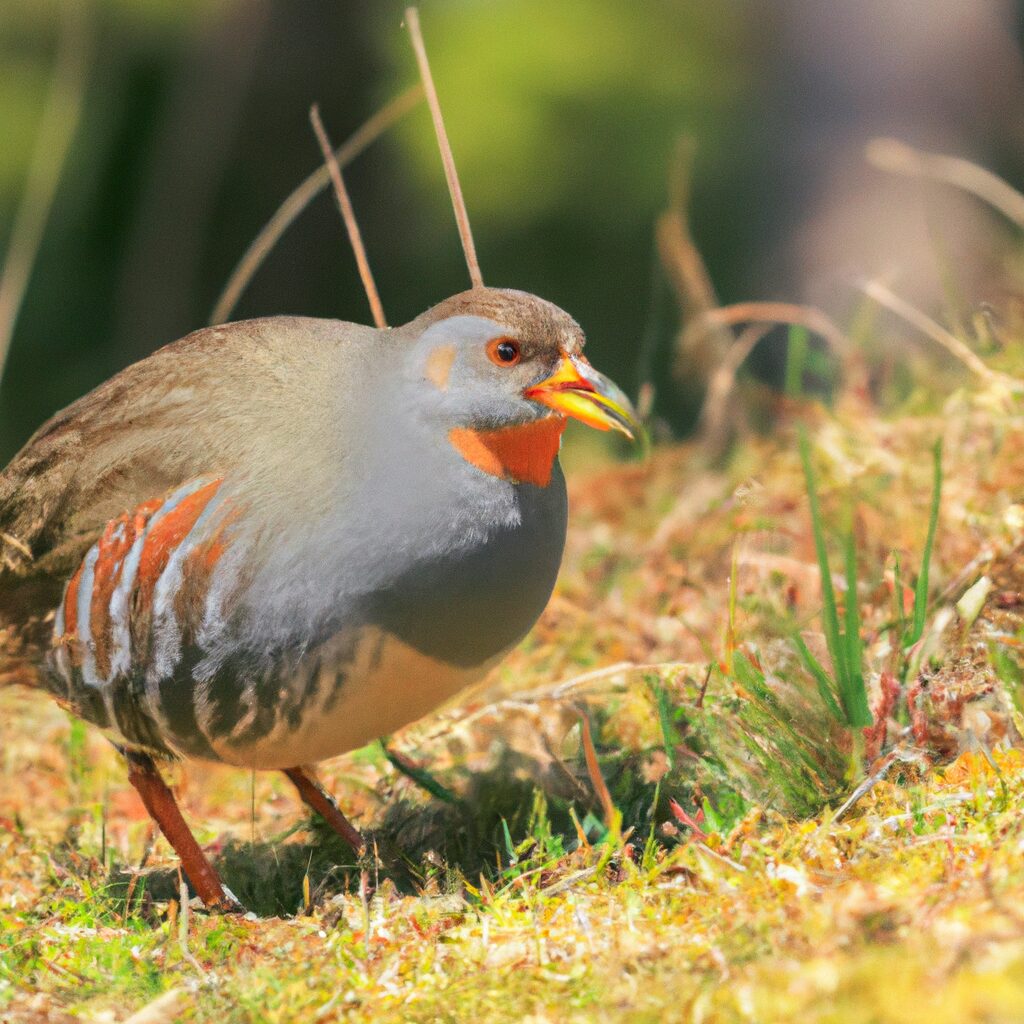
(503, 370)
(500, 357)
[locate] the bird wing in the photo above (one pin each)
(187, 413)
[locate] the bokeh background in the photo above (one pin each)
(189, 122)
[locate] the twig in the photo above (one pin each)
(183, 917)
(952, 344)
(303, 195)
(565, 688)
(11, 540)
(529, 699)
(772, 313)
(898, 158)
(720, 857)
(133, 881)
(556, 760)
(596, 778)
(364, 899)
(568, 882)
(412, 17)
(714, 414)
(862, 790)
(696, 354)
(64, 972)
(717, 416)
(901, 754)
(348, 215)
(57, 128)
(680, 255)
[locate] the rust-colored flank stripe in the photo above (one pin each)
(168, 532)
(71, 602)
(115, 543)
(524, 453)
(112, 549)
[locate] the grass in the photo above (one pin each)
(845, 645)
(907, 913)
(916, 630)
(636, 818)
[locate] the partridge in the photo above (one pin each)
(275, 540)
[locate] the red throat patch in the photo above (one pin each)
(524, 453)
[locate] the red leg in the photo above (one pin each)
(315, 796)
(163, 809)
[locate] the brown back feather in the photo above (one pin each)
(144, 432)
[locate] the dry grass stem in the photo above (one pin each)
(61, 115)
(567, 883)
(594, 771)
(412, 17)
(952, 344)
(184, 917)
(899, 158)
(348, 215)
(771, 313)
(18, 545)
(715, 415)
(303, 195)
(697, 355)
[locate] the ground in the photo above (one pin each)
(707, 865)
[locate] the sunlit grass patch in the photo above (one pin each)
(720, 883)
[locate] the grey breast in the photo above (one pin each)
(472, 604)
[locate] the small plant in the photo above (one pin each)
(793, 743)
(844, 693)
(912, 631)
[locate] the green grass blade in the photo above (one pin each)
(669, 732)
(829, 615)
(420, 776)
(813, 666)
(510, 847)
(854, 695)
(921, 590)
(796, 360)
(900, 612)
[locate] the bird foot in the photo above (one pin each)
(227, 905)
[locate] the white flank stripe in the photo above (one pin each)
(84, 609)
(166, 628)
(153, 681)
(120, 627)
(121, 655)
(61, 661)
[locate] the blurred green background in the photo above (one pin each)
(563, 117)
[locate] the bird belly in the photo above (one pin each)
(353, 695)
(145, 648)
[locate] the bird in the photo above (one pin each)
(275, 540)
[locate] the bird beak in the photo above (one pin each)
(576, 389)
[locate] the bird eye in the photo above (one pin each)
(504, 351)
